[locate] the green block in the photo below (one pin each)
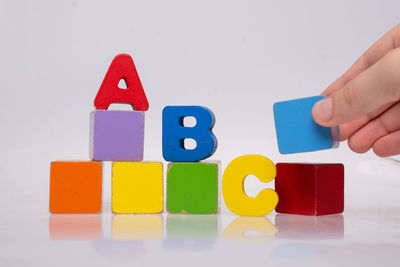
(192, 187)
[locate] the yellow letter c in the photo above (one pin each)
(233, 185)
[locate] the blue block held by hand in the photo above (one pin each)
(296, 130)
(174, 133)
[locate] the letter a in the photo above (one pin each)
(122, 67)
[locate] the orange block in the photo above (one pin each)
(75, 187)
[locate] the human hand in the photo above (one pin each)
(365, 101)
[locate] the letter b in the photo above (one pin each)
(174, 133)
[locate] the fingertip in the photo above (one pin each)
(380, 152)
(314, 116)
(358, 146)
(388, 145)
(322, 111)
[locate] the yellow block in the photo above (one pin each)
(240, 226)
(137, 187)
(233, 186)
(130, 227)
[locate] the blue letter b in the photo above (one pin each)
(174, 133)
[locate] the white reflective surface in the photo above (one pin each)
(236, 58)
(197, 240)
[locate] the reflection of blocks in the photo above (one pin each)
(296, 130)
(310, 189)
(73, 227)
(192, 188)
(309, 227)
(191, 232)
(143, 226)
(75, 187)
(238, 228)
(137, 187)
(181, 226)
(117, 135)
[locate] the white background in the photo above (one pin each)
(235, 57)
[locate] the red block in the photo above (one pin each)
(310, 189)
(122, 67)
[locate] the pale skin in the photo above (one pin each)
(365, 101)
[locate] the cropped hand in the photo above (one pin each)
(365, 101)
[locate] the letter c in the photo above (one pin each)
(233, 186)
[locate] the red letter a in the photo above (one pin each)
(122, 67)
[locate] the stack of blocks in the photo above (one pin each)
(313, 188)
(118, 136)
(192, 184)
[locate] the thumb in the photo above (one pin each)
(375, 87)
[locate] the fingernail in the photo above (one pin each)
(323, 109)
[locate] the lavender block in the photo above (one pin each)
(116, 135)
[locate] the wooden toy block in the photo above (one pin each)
(137, 227)
(174, 133)
(192, 187)
(310, 189)
(75, 227)
(296, 130)
(122, 67)
(233, 186)
(185, 226)
(137, 187)
(117, 135)
(238, 228)
(310, 227)
(75, 187)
